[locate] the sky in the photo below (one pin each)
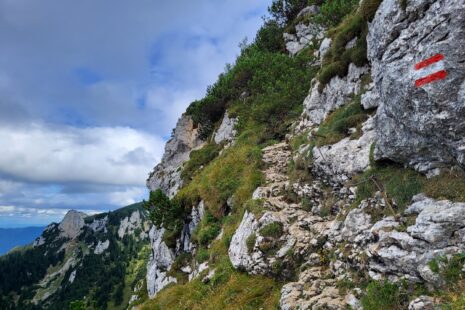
(90, 91)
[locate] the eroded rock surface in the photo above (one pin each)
(337, 93)
(160, 261)
(226, 132)
(167, 174)
(341, 161)
(420, 126)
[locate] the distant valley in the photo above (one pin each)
(13, 237)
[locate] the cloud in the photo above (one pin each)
(21, 216)
(102, 155)
(89, 89)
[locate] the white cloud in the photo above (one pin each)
(105, 155)
(13, 211)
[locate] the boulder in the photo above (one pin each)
(423, 126)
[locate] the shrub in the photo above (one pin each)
(338, 59)
(273, 230)
(202, 255)
(368, 9)
(333, 11)
(270, 37)
(166, 212)
(384, 295)
(207, 230)
(284, 11)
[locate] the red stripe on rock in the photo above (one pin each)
(429, 61)
(440, 75)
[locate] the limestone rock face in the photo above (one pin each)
(304, 34)
(167, 174)
(419, 126)
(438, 231)
(101, 247)
(130, 224)
(160, 261)
(340, 161)
(185, 244)
(338, 92)
(72, 224)
(226, 131)
(238, 252)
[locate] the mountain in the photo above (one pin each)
(83, 262)
(323, 170)
(13, 237)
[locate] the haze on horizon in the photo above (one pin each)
(90, 91)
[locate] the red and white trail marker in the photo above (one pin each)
(430, 70)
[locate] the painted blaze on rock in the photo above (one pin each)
(420, 126)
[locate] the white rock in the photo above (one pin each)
(72, 224)
(160, 261)
(101, 247)
(340, 161)
(238, 252)
(226, 132)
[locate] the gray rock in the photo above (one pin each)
(130, 224)
(72, 224)
(309, 10)
(437, 220)
(356, 226)
(305, 34)
(370, 99)
(226, 132)
(324, 47)
(438, 231)
(101, 247)
(238, 252)
(159, 263)
(337, 93)
(422, 303)
(99, 224)
(185, 244)
(340, 161)
(167, 174)
(419, 126)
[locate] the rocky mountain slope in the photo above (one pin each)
(323, 170)
(358, 202)
(84, 262)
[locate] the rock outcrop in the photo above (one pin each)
(341, 161)
(419, 126)
(72, 224)
(305, 33)
(226, 132)
(167, 174)
(161, 260)
(337, 93)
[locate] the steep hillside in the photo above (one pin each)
(84, 262)
(324, 169)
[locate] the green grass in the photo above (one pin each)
(251, 242)
(273, 230)
(384, 295)
(198, 159)
(448, 185)
(401, 184)
(335, 127)
(337, 60)
(398, 183)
